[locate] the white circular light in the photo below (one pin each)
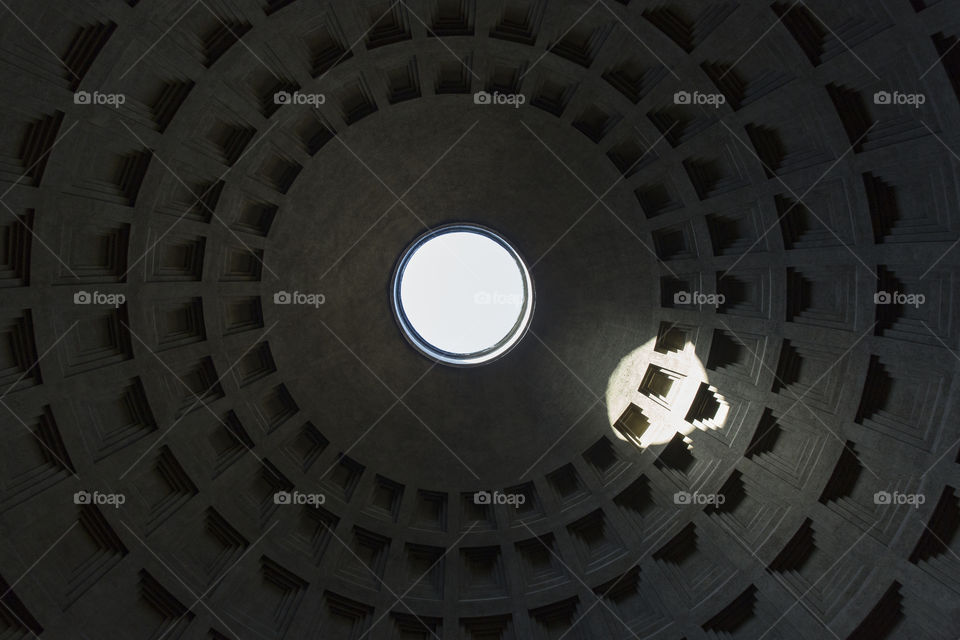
(462, 295)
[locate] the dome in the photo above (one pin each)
(486, 320)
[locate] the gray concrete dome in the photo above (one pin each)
(733, 416)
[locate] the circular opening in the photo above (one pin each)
(462, 295)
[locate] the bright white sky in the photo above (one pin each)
(462, 292)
